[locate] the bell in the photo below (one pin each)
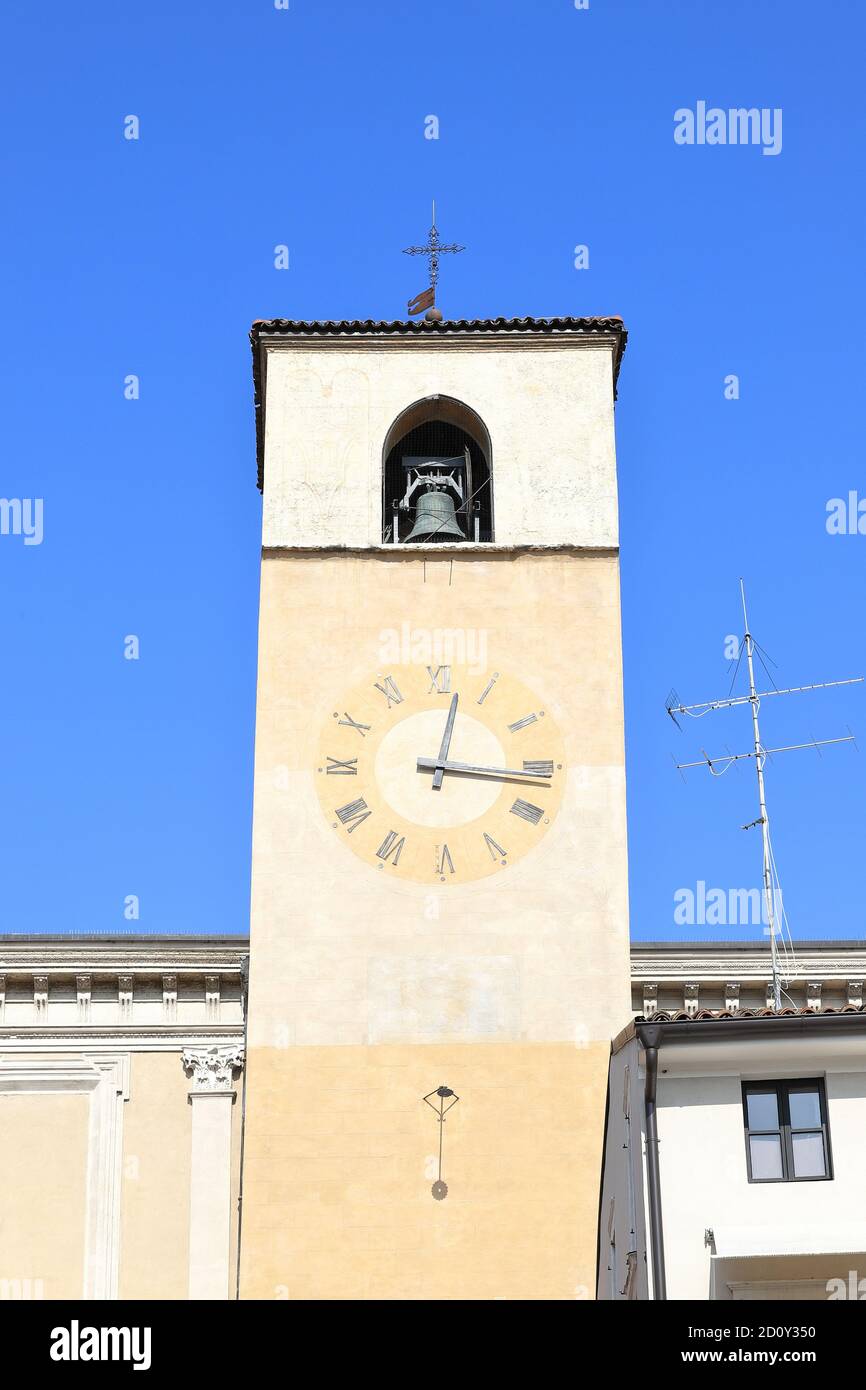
(435, 518)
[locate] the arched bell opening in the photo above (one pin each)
(436, 476)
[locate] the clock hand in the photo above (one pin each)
(435, 764)
(439, 765)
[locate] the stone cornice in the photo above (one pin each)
(456, 342)
(441, 551)
(94, 955)
(719, 960)
(134, 1039)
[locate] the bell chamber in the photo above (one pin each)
(436, 487)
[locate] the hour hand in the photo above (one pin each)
(439, 765)
(426, 764)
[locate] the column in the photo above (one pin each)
(211, 1098)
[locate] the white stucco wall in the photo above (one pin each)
(548, 408)
(766, 1233)
(623, 1222)
(705, 1182)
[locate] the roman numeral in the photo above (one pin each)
(522, 723)
(353, 814)
(338, 767)
(440, 680)
(445, 859)
(538, 768)
(496, 851)
(391, 845)
(527, 811)
(487, 689)
(390, 691)
(350, 723)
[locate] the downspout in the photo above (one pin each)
(245, 1000)
(650, 1037)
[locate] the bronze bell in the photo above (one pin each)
(435, 518)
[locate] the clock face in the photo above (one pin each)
(408, 809)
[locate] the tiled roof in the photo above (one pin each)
(711, 1025)
(414, 327)
(410, 328)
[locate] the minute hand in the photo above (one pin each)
(429, 764)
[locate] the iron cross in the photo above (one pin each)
(434, 249)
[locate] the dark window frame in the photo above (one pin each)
(782, 1091)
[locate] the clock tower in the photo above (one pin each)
(439, 896)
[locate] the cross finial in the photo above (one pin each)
(433, 250)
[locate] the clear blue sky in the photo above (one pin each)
(306, 127)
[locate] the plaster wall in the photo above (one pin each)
(705, 1183)
(43, 1167)
(367, 992)
(548, 410)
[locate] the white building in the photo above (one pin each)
(734, 1162)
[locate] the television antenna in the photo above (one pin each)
(720, 765)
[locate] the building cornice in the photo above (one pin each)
(133, 1039)
(715, 960)
(95, 954)
(442, 550)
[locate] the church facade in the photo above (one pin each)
(121, 1068)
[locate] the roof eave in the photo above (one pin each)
(665, 1032)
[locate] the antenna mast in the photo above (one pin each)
(769, 896)
(718, 766)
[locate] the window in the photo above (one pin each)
(436, 481)
(787, 1134)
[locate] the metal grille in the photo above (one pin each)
(438, 439)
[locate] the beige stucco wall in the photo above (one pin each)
(371, 987)
(154, 1254)
(157, 1176)
(507, 989)
(43, 1165)
(323, 924)
(548, 409)
(341, 1153)
(51, 1139)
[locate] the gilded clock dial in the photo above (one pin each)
(439, 774)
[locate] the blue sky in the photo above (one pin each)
(306, 127)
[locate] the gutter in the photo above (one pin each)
(651, 1039)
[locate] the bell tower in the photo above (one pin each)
(439, 936)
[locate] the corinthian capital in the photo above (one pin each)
(211, 1067)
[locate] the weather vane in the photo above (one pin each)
(433, 250)
(440, 1188)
